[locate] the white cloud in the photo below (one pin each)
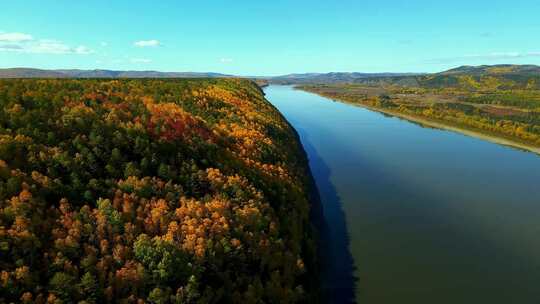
(83, 50)
(140, 60)
(25, 43)
(147, 43)
(10, 47)
(15, 37)
(502, 55)
(226, 60)
(48, 47)
(490, 56)
(103, 44)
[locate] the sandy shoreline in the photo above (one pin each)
(430, 123)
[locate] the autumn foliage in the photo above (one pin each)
(159, 191)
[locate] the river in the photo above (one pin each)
(414, 214)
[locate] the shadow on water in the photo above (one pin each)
(337, 262)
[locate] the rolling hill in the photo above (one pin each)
(484, 77)
(503, 76)
(334, 77)
(75, 73)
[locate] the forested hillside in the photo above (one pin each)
(481, 78)
(163, 191)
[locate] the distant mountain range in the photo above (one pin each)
(37, 73)
(285, 79)
(500, 69)
(503, 76)
(334, 77)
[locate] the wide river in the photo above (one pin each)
(418, 215)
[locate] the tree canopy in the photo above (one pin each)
(162, 191)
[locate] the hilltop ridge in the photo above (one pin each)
(505, 76)
(99, 73)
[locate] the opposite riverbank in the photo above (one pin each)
(480, 134)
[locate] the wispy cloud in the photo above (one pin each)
(12, 47)
(490, 56)
(15, 37)
(25, 43)
(140, 60)
(83, 50)
(486, 34)
(405, 41)
(103, 44)
(147, 43)
(225, 60)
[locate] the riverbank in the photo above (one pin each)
(318, 230)
(443, 125)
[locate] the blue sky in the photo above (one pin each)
(268, 37)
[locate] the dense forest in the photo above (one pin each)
(157, 191)
(499, 100)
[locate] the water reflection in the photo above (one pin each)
(338, 264)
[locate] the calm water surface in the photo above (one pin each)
(418, 215)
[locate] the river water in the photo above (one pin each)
(418, 215)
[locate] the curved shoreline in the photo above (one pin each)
(443, 126)
(318, 229)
